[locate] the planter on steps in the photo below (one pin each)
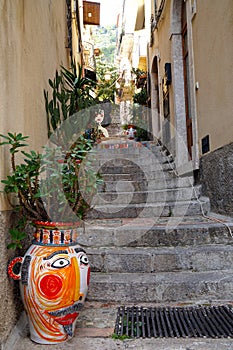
(131, 132)
(54, 277)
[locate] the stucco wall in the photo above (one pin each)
(33, 39)
(32, 45)
(213, 52)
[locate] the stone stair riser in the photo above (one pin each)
(148, 170)
(134, 149)
(127, 164)
(144, 184)
(155, 236)
(161, 287)
(182, 194)
(147, 210)
(149, 260)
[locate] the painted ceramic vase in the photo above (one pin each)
(54, 276)
(131, 132)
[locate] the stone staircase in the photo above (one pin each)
(139, 181)
(148, 243)
(149, 236)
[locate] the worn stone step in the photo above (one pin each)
(133, 151)
(147, 210)
(149, 168)
(150, 260)
(141, 175)
(149, 232)
(161, 287)
(132, 196)
(140, 183)
(123, 144)
(146, 168)
(130, 158)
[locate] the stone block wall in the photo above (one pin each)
(216, 176)
(10, 303)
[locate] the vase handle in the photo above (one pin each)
(10, 271)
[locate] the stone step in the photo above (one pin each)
(140, 183)
(131, 143)
(161, 287)
(123, 163)
(131, 168)
(156, 176)
(134, 197)
(148, 210)
(129, 149)
(149, 232)
(127, 159)
(141, 175)
(151, 260)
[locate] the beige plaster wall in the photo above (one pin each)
(213, 52)
(33, 36)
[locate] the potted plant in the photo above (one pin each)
(54, 273)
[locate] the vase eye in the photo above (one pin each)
(60, 263)
(84, 260)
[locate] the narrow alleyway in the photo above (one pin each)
(151, 240)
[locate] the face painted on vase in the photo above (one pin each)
(56, 287)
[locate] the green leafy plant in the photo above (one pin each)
(107, 76)
(141, 97)
(71, 92)
(17, 234)
(132, 330)
(120, 337)
(47, 185)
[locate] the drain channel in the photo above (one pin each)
(175, 322)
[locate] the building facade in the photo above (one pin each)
(190, 68)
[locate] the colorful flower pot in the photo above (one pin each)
(131, 132)
(54, 277)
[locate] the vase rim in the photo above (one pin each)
(56, 224)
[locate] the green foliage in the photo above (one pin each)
(131, 330)
(105, 40)
(140, 97)
(106, 88)
(75, 173)
(71, 92)
(24, 178)
(17, 234)
(120, 337)
(48, 184)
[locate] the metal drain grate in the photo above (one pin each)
(175, 322)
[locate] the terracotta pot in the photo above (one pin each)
(54, 277)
